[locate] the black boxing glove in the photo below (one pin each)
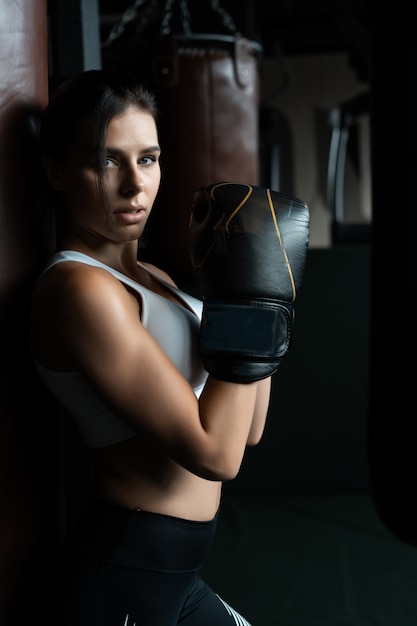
(248, 249)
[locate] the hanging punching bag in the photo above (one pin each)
(207, 88)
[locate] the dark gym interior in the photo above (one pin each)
(320, 527)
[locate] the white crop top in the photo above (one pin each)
(173, 326)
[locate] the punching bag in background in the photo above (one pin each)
(207, 88)
(23, 94)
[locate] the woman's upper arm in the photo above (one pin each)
(140, 383)
(121, 359)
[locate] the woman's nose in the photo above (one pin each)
(133, 181)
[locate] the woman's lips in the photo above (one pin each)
(131, 215)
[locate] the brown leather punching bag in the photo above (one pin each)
(207, 88)
(23, 92)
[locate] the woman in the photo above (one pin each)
(115, 340)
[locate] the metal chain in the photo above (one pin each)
(131, 14)
(226, 19)
(168, 16)
(185, 17)
(128, 16)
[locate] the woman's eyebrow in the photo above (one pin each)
(118, 151)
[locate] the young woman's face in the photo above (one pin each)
(131, 178)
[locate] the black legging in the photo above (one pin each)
(135, 568)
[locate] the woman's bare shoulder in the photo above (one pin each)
(77, 283)
(76, 308)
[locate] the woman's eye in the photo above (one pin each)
(147, 160)
(109, 162)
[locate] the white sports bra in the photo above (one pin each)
(173, 326)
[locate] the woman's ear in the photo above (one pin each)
(53, 173)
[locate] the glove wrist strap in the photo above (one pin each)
(246, 328)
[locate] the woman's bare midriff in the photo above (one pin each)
(137, 476)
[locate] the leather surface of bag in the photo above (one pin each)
(207, 87)
(23, 94)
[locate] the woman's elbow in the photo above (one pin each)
(223, 468)
(254, 438)
(256, 431)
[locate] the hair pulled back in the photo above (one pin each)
(99, 94)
